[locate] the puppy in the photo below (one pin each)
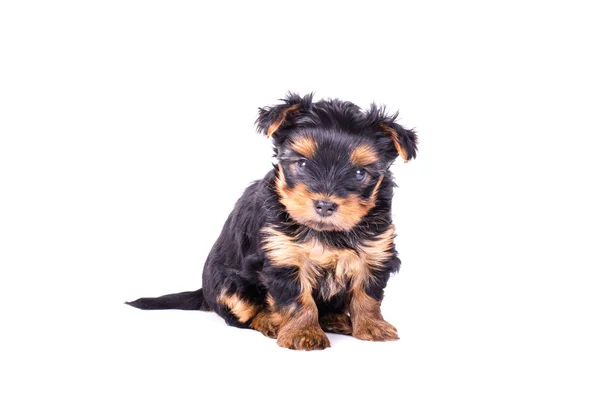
(310, 247)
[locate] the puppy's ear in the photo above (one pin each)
(274, 118)
(405, 141)
(396, 139)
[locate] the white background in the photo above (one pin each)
(127, 135)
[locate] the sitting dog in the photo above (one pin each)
(310, 247)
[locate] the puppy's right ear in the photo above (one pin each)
(274, 118)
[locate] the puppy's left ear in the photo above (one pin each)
(395, 139)
(275, 118)
(405, 141)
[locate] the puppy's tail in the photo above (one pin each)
(192, 300)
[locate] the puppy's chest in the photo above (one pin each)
(323, 258)
(330, 271)
(324, 269)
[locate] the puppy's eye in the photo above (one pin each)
(361, 174)
(301, 165)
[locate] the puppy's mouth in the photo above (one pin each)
(321, 224)
(306, 215)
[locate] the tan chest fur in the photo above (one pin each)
(330, 269)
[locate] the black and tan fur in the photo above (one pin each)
(310, 247)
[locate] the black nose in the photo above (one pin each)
(325, 208)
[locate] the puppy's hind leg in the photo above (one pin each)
(239, 299)
(266, 322)
(336, 323)
(333, 315)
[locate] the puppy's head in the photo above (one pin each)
(333, 157)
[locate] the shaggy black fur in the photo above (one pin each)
(249, 280)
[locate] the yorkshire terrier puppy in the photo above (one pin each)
(309, 249)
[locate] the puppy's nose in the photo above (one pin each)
(325, 208)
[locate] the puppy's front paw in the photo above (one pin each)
(303, 339)
(378, 330)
